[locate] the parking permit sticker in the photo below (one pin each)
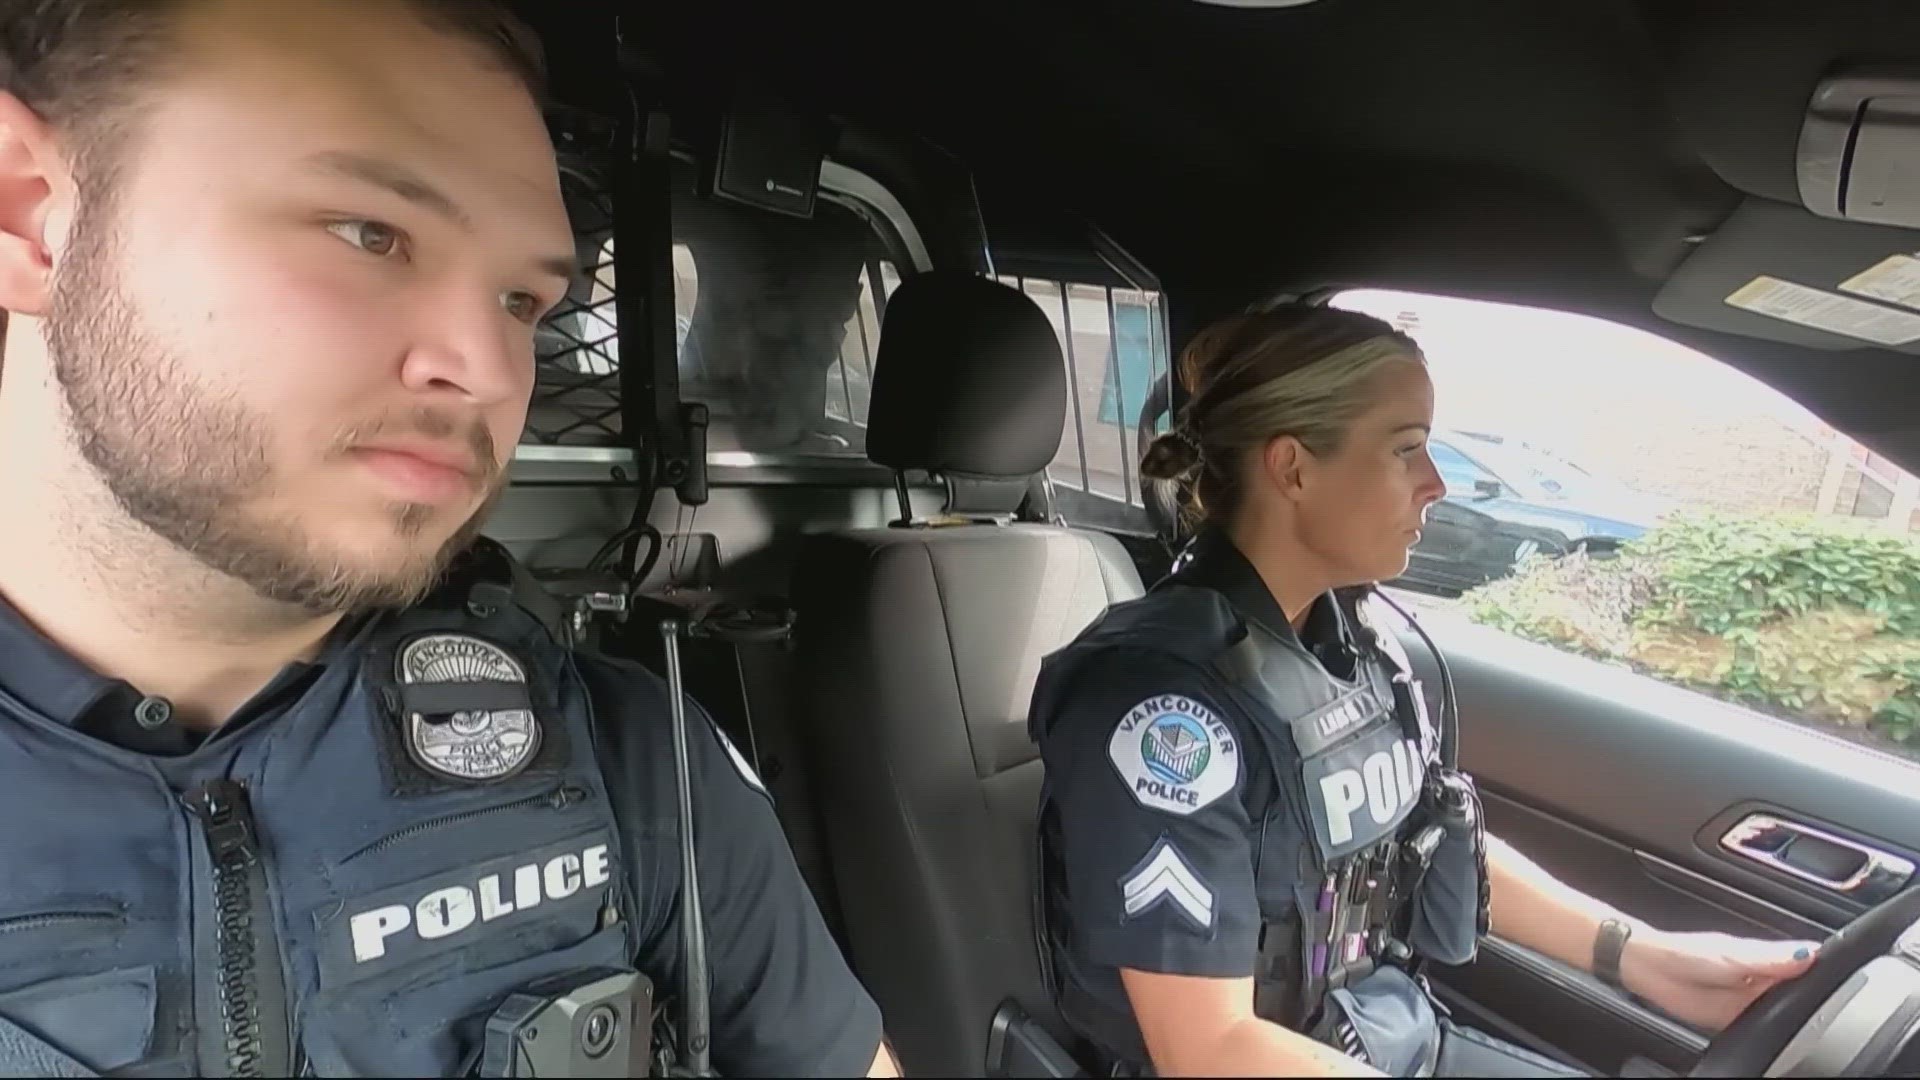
(1895, 279)
(1827, 311)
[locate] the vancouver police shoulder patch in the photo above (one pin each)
(1174, 754)
(466, 707)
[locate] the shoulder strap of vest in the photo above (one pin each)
(1192, 622)
(1349, 599)
(1449, 703)
(486, 577)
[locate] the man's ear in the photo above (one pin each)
(35, 207)
(1284, 460)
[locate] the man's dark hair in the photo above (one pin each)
(82, 65)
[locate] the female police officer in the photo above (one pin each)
(1251, 832)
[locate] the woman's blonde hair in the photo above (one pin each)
(1297, 369)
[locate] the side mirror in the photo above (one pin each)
(1488, 489)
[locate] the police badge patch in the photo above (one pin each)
(1174, 754)
(480, 725)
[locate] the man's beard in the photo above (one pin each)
(190, 464)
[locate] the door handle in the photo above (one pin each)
(1818, 857)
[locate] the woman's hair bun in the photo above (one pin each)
(1171, 456)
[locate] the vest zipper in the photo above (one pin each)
(558, 799)
(249, 991)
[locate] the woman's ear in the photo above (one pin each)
(1284, 462)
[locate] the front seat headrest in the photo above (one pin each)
(969, 380)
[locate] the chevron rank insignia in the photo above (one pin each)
(1165, 877)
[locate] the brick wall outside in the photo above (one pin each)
(1671, 448)
(1739, 464)
(1746, 464)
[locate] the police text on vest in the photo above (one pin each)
(449, 910)
(1385, 784)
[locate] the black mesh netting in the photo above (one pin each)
(576, 396)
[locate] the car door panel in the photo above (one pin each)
(1587, 1020)
(1757, 916)
(1624, 788)
(1647, 885)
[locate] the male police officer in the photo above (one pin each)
(273, 270)
(1249, 839)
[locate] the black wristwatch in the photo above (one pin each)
(1608, 943)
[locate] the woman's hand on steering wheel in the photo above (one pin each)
(1707, 979)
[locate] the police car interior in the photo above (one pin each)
(817, 400)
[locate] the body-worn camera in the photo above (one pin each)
(586, 1023)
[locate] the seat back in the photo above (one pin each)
(918, 647)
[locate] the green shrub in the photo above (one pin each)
(1724, 572)
(1812, 619)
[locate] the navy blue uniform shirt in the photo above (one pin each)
(1160, 875)
(783, 999)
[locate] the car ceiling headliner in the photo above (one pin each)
(1561, 154)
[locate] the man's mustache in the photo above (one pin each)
(429, 423)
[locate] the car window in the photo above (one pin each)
(1668, 514)
(1536, 473)
(1460, 474)
(776, 326)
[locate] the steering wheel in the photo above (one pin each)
(1856, 1012)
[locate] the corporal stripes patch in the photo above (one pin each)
(1164, 877)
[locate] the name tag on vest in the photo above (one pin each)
(405, 924)
(1327, 725)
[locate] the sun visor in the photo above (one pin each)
(1859, 153)
(1778, 272)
